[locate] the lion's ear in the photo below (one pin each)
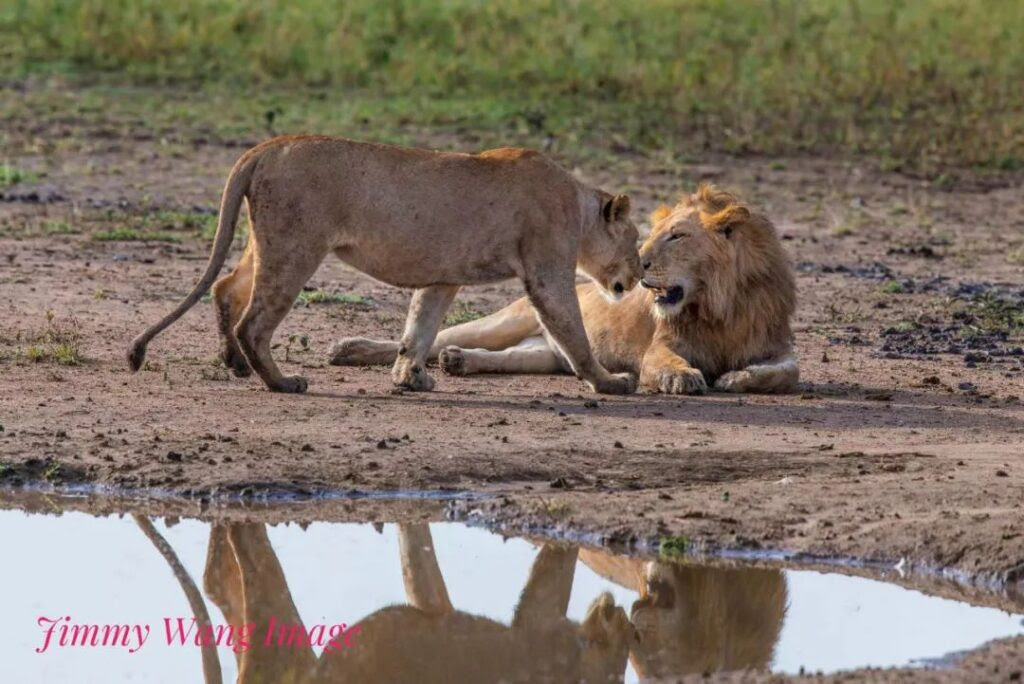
(725, 220)
(616, 208)
(660, 213)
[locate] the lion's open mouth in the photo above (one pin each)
(666, 296)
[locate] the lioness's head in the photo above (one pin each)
(704, 250)
(608, 252)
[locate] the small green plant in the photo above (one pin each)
(309, 297)
(893, 287)
(461, 313)
(58, 342)
(52, 472)
(1016, 256)
(58, 228)
(673, 547)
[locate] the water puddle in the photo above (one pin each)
(423, 602)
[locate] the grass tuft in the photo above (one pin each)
(310, 297)
(461, 313)
(58, 342)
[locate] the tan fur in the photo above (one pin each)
(730, 328)
(419, 219)
(426, 640)
(695, 619)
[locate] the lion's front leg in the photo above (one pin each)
(665, 371)
(426, 312)
(779, 375)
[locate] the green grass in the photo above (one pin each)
(918, 83)
(309, 297)
(58, 228)
(12, 175)
(125, 234)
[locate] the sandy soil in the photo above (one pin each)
(905, 441)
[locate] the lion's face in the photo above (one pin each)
(609, 255)
(691, 245)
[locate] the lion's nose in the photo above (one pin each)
(647, 265)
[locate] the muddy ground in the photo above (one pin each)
(905, 441)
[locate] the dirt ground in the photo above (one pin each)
(905, 441)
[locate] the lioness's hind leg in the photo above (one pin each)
(278, 279)
(778, 376)
(426, 311)
(532, 355)
(231, 295)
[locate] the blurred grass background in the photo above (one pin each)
(920, 84)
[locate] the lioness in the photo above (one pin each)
(413, 218)
(718, 295)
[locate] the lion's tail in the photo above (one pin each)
(231, 201)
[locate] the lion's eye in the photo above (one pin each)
(674, 236)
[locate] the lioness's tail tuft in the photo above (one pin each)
(137, 354)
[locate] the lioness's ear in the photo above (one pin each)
(660, 213)
(616, 209)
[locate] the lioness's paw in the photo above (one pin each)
(237, 363)
(291, 384)
(452, 361)
(411, 376)
(734, 381)
(684, 381)
(617, 383)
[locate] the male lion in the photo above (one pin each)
(413, 218)
(718, 295)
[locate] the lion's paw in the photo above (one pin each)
(411, 376)
(734, 381)
(683, 381)
(452, 361)
(360, 351)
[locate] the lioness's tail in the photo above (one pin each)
(231, 201)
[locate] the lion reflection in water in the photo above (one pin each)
(688, 619)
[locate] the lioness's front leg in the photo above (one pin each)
(426, 312)
(779, 375)
(662, 370)
(424, 584)
(554, 299)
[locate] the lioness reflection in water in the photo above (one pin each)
(426, 640)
